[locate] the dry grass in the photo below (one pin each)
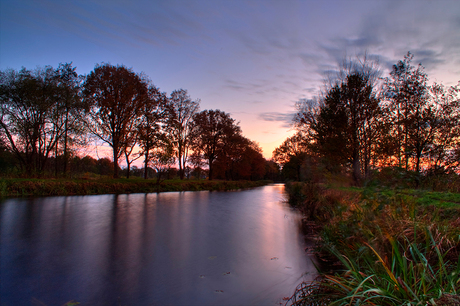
(52, 187)
(381, 248)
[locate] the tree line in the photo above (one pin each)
(48, 114)
(363, 122)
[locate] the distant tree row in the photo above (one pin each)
(363, 122)
(48, 114)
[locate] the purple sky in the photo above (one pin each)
(252, 59)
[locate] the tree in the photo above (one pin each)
(341, 127)
(162, 157)
(129, 145)
(69, 110)
(272, 171)
(33, 112)
(153, 125)
(115, 95)
(410, 112)
(250, 164)
(291, 155)
(225, 164)
(211, 131)
(441, 150)
(347, 121)
(181, 111)
(241, 158)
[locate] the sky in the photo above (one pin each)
(251, 59)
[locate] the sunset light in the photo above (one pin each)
(230, 152)
(252, 59)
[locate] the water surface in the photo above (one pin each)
(178, 248)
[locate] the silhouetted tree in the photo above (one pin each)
(241, 158)
(446, 107)
(129, 145)
(292, 146)
(272, 171)
(153, 125)
(86, 164)
(115, 95)
(291, 155)
(162, 157)
(410, 112)
(225, 164)
(69, 111)
(105, 166)
(182, 109)
(211, 131)
(251, 164)
(35, 108)
(342, 127)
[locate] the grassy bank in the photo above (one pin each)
(62, 187)
(381, 246)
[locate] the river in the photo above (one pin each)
(175, 248)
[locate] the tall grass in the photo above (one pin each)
(410, 275)
(385, 249)
(315, 201)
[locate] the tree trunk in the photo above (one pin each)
(158, 177)
(56, 161)
(417, 163)
(115, 161)
(210, 169)
(66, 157)
(356, 169)
(146, 163)
(181, 170)
(128, 164)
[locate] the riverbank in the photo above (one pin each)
(381, 246)
(64, 187)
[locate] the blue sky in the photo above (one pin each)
(252, 59)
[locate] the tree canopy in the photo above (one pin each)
(357, 125)
(115, 96)
(39, 110)
(181, 110)
(212, 132)
(47, 113)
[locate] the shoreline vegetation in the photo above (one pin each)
(14, 187)
(375, 165)
(380, 245)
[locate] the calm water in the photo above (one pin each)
(178, 248)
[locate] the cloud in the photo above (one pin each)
(284, 118)
(428, 58)
(245, 86)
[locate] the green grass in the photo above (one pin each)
(414, 274)
(419, 196)
(383, 246)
